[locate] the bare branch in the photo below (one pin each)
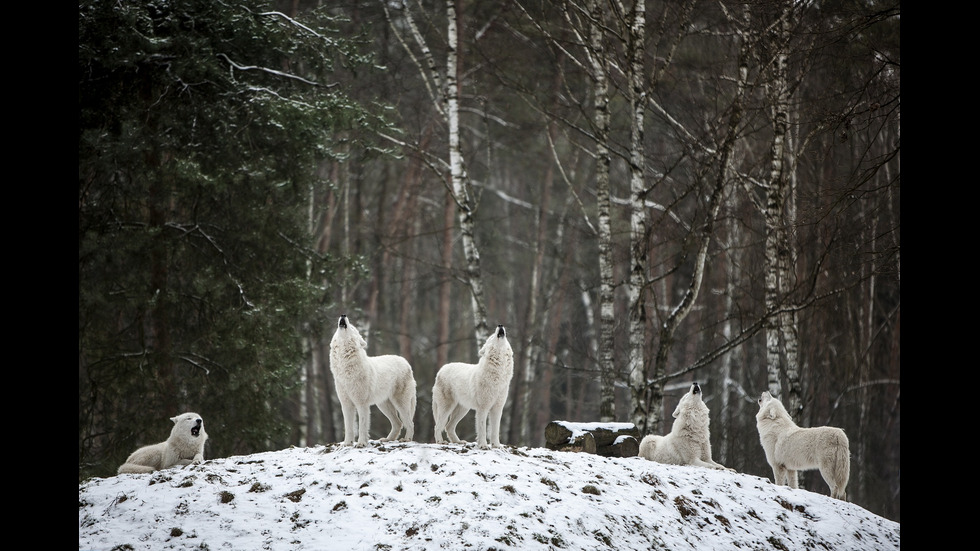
(274, 72)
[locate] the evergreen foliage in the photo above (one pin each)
(201, 124)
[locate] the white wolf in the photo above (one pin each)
(790, 448)
(185, 446)
(363, 381)
(689, 440)
(482, 386)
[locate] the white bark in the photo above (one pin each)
(459, 182)
(448, 106)
(607, 292)
(638, 219)
(781, 330)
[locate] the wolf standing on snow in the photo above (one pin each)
(790, 448)
(362, 381)
(482, 386)
(185, 446)
(689, 440)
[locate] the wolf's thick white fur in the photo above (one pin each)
(689, 440)
(482, 386)
(790, 448)
(185, 446)
(363, 381)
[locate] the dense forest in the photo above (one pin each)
(644, 193)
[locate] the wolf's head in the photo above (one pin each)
(691, 399)
(764, 399)
(498, 339)
(188, 424)
(770, 408)
(347, 331)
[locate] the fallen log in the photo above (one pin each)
(605, 439)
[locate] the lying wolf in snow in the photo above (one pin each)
(185, 446)
(689, 440)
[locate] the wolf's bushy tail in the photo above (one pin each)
(842, 466)
(134, 468)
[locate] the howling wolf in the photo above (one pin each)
(362, 381)
(688, 442)
(185, 446)
(482, 386)
(790, 448)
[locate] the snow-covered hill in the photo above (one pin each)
(414, 496)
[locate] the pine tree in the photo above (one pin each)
(200, 126)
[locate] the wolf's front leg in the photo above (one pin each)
(347, 408)
(495, 413)
(363, 425)
(481, 428)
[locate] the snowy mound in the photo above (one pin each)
(404, 496)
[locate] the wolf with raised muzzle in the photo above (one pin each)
(689, 440)
(482, 386)
(363, 381)
(184, 447)
(790, 448)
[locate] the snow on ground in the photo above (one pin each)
(415, 496)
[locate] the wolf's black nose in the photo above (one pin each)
(343, 320)
(500, 331)
(696, 389)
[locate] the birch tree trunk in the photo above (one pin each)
(638, 218)
(460, 183)
(445, 96)
(607, 290)
(781, 328)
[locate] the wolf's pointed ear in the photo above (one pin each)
(771, 412)
(362, 342)
(174, 420)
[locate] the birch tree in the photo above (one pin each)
(445, 94)
(779, 252)
(460, 182)
(638, 218)
(596, 54)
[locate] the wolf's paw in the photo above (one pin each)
(359, 445)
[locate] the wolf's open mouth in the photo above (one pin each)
(196, 430)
